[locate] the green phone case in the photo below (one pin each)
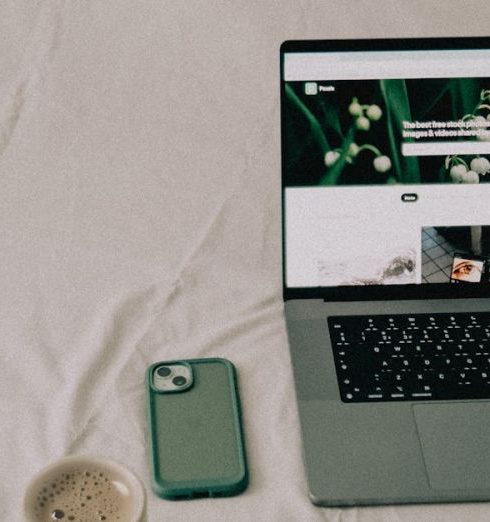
(196, 439)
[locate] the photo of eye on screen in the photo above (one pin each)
(456, 254)
(467, 270)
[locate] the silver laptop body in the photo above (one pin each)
(386, 214)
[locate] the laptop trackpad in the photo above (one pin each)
(455, 442)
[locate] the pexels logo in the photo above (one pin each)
(312, 88)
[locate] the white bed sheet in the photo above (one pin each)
(140, 221)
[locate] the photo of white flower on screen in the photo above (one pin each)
(388, 132)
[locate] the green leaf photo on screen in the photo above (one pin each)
(390, 131)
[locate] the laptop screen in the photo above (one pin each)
(386, 164)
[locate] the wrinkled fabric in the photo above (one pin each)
(140, 221)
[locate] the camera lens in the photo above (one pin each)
(179, 380)
(164, 371)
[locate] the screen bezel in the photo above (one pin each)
(374, 292)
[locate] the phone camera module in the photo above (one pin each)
(172, 377)
(179, 380)
(164, 371)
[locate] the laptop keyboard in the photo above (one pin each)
(412, 357)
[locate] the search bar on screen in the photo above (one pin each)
(445, 148)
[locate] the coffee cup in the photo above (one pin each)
(82, 488)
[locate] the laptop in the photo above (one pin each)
(386, 266)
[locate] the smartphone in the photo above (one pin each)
(196, 437)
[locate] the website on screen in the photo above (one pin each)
(387, 168)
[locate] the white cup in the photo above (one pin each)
(84, 488)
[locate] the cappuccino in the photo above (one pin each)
(86, 494)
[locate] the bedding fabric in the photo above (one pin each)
(140, 221)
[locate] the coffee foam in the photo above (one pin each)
(87, 494)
